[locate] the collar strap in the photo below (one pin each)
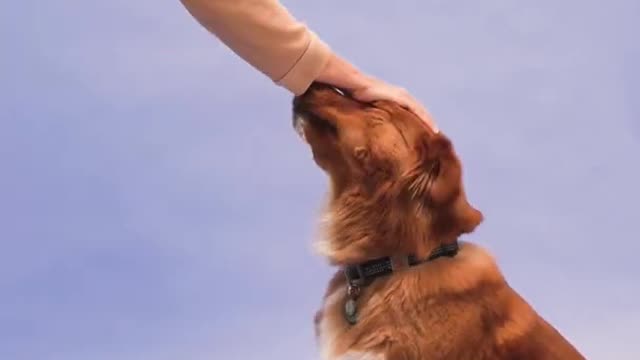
(362, 274)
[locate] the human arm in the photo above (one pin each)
(265, 35)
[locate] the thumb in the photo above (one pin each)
(366, 94)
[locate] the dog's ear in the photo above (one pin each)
(467, 216)
(457, 218)
(436, 177)
(436, 181)
(448, 177)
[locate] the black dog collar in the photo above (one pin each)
(360, 275)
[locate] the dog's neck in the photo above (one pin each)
(357, 231)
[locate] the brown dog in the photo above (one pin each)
(396, 209)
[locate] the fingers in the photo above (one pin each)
(423, 114)
(374, 91)
(414, 106)
(382, 91)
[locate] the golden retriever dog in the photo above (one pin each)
(407, 288)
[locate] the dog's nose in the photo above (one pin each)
(297, 103)
(312, 93)
(301, 100)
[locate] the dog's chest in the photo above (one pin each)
(332, 327)
(339, 341)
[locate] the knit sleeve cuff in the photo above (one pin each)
(308, 67)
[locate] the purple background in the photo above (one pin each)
(156, 204)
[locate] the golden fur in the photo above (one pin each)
(396, 189)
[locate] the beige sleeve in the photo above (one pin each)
(264, 34)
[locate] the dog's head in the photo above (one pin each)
(382, 159)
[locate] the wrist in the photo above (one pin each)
(341, 74)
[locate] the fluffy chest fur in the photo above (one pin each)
(458, 308)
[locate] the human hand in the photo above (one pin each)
(341, 74)
(379, 90)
